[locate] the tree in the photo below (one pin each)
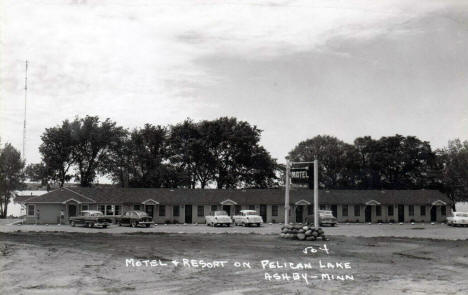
(394, 162)
(453, 161)
(11, 175)
(187, 152)
(338, 160)
(92, 141)
(57, 151)
(38, 172)
(233, 149)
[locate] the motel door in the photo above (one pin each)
(368, 214)
(299, 213)
(188, 213)
(71, 210)
(263, 212)
(401, 213)
(227, 208)
(150, 210)
(433, 213)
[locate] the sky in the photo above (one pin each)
(295, 69)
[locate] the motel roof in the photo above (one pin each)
(164, 196)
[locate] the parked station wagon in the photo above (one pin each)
(91, 218)
(325, 217)
(218, 218)
(135, 218)
(248, 217)
(458, 219)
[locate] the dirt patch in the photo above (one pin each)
(95, 263)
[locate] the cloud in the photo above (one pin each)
(141, 61)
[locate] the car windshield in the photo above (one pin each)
(250, 213)
(220, 213)
(141, 213)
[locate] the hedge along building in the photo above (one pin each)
(191, 205)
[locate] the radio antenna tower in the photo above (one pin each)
(25, 100)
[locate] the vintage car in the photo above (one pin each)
(325, 217)
(218, 218)
(458, 219)
(247, 218)
(91, 218)
(135, 218)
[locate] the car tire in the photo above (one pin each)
(104, 226)
(332, 224)
(148, 225)
(228, 225)
(134, 224)
(91, 224)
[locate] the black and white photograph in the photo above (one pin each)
(233, 147)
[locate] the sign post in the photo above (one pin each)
(316, 217)
(288, 185)
(286, 195)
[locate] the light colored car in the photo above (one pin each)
(247, 218)
(218, 218)
(458, 219)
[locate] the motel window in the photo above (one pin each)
(323, 207)
(30, 210)
(411, 210)
(390, 210)
(201, 211)
(237, 209)
(117, 209)
(109, 210)
(136, 207)
(162, 210)
(214, 208)
(310, 210)
(344, 210)
(176, 211)
(102, 208)
(357, 210)
(378, 210)
(251, 207)
(274, 210)
(423, 210)
(443, 210)
(84, 207)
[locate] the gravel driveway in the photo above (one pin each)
(419, 230)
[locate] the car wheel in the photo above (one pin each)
(73, 223)
(134, 223)
(332, 224)
(228, 225)
(91, 224)
(104, 226)
(148, 225)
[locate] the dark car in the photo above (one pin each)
(91, 218)
(135, 218)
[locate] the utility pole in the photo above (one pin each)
(316, 204)
(25, 100)
(286, 195)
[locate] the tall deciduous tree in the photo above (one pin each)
(338, 160)
(38, 172)
(453, 161)
(11, 175)
(57, 151)
(92, 141)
